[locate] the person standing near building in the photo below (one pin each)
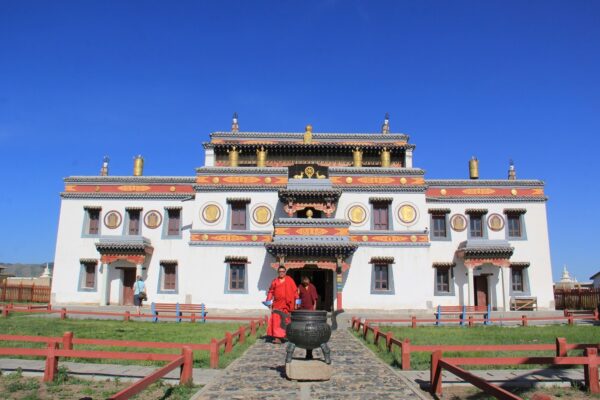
(308, 294)
(283, 294)
(139, 293)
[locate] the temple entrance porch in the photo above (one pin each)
(323, 280)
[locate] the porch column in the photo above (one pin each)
(339, 282)
(103, 283)
(505, 293)
(471, 287)
(138, 270)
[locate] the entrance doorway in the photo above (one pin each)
(128, 281)
(323, 281)
(481, 290)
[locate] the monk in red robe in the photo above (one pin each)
(283, 293)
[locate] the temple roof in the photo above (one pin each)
(483, 248)
(311, 248)
(124, 244)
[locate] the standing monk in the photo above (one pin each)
(283, 293)
(308, 294)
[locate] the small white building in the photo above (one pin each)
(596, 280)
(349, 210)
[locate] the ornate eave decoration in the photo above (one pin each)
(309, 249)
(324, 200)
(381, 260)
(478, 252)
(133, 250)
(443, 265)
(107, 180)
(438, 211)
(237, 260)
(441, 183)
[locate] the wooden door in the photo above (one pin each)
(481, 291)
(128, 281)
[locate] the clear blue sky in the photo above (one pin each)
(496, 79)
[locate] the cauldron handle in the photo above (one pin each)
(334, 315)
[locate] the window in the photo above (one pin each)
(89, 275)
(476, 225)
(174, 224)
(517, 279)
(381, 216)
(93, 221)
(169, 271)
(442, 280)
(438, 222)
(514, 225)
(134, 222)
(381, 277)
(237, 276)
(238, 216)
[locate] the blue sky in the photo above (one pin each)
(495, 79)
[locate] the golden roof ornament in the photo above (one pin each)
(357, 156)
(308, 134)
(138, 165)
(235, 128)
(512, 172)
(234, 156)
(385, 128)
(261, 157)
(386, 158)
(104, 169)
(474, 168)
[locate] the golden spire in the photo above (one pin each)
(234, 123)
(512, 172)
(385, 128)
(234, 155)
(138, 166)
(474, 168)
(104, 169)
(308, 134)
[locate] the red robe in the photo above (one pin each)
(284, 295)
(309, 296)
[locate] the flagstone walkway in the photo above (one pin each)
(357, 374)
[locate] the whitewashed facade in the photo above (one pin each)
(380, 235)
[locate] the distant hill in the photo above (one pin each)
(24, 270)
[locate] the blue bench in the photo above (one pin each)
(178, 310)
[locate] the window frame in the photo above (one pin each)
(83, 276)
(521, 273)
(127, 224)
(481, 218)
(390, 278)
(238, 266)
(163, 277)
(437, 216)
(521, 218)
(379, 205)
(85, 232)
(167, 224)
(236, 207)
(450, 273)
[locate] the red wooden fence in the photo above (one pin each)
(577, 299)
(24, 293)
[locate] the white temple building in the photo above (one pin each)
(348, 209)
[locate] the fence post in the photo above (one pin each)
(405, 354)
(67, 342)
(242, 338)
(470, 321)
(388, 340)
(365, 330)
(375, 335)
(193, 318)
(214, 354)
(596, 316)
(63, 313)
(561, 347)
(524, 320)
(5, 311)
(590, 370)
(228, 342)
(253, 328)
(185, 374)
(436, 373)
(570, 319)
(127, 316)
(51, 367)
(413, 321)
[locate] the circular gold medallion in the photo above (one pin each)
(112, 219)
(211, 213)
(261, 215)
(349, 179)
(443, 192)
(403, 181)
(357, 214)
(172, 188)
(205, 237)
(514, 192)
(152, 219)
(407, 214)
(413, 238)
(268, 179)
(365, 238)
(254, 238)
(97, 188)
(215, 179)
(458, 222)
(495, 222)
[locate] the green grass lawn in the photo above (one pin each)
(481, 335)
(184, 332)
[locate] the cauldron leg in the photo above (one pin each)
(289, 352)
(309, 355)
(326, 353)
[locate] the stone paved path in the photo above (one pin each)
(357, 374)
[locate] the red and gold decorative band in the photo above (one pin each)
(129, 189)
(485, 192)
(358, 180)
(404, 238)
(137, 259)
(241, 180)
(228, 237)
(303, 231)
(321, 264)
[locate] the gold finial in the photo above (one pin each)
(357, 155)
(309, 213)
(386, 158)
(385, 128)
(234, 155)
(261, 157)
(474, 168)
(308, 134)
(234, 123)
(104, 169)
(138, 166)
